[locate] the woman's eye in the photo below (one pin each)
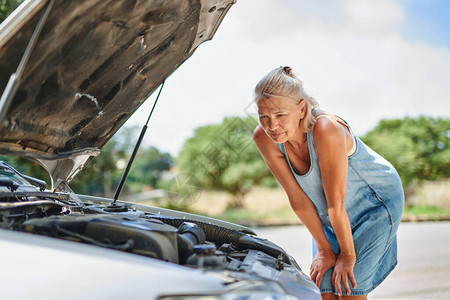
(262, 117)
(281, 115)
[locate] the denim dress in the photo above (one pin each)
(374, 203)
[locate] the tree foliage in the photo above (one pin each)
(27, 167)
(102, 175)
(224, 157)
(148, 168)
(419, 148)
(7, 6)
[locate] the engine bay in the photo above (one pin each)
(228, 251)
(26, 207)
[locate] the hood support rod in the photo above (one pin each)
(133, 155)
(15, 78)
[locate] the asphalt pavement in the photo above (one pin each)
(423, 270)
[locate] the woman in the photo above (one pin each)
(349, 197)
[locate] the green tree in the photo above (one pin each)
(148, 168)
(224, 157)
(102, 174)
(7, 6)
(419, 148)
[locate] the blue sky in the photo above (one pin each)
(427, 21)
(364, 60)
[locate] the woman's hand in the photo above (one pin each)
(324, 260)
(343, 271)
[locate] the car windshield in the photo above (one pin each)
(10, 179)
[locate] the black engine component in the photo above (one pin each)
(189, 235)
(10, 184)
(221, 235)
(145, 237)
(189, 242)
(205, 257)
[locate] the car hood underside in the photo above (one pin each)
(94, 63)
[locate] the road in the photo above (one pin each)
(423, 270)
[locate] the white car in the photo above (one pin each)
(72, 72)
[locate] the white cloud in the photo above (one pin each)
(269, 19)
(373, 17)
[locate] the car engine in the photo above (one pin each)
(26, 206)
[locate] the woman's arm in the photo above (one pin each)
(331, 140)
(300, 202)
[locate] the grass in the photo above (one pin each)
(424, 212)
(265, 206)
(285, 216)
(281, 216)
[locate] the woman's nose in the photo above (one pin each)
(273, 124)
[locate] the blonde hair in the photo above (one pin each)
(282, 82)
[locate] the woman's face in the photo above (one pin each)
(280, 118)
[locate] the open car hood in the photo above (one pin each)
(93, 64)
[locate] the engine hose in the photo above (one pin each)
(221, 235)
(216, 234)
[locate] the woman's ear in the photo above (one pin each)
(303, 107)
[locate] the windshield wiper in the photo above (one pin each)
(10, 184)
(41, 184)
(37, 194)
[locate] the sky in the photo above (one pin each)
(362, 60)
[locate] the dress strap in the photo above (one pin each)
(343, 122)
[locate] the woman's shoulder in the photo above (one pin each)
(261, 137)
(258, 133)
(328, 131)
(265, 145)
(331, 132)
(325, 125)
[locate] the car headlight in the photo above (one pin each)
(241, 290)
(232, 296)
